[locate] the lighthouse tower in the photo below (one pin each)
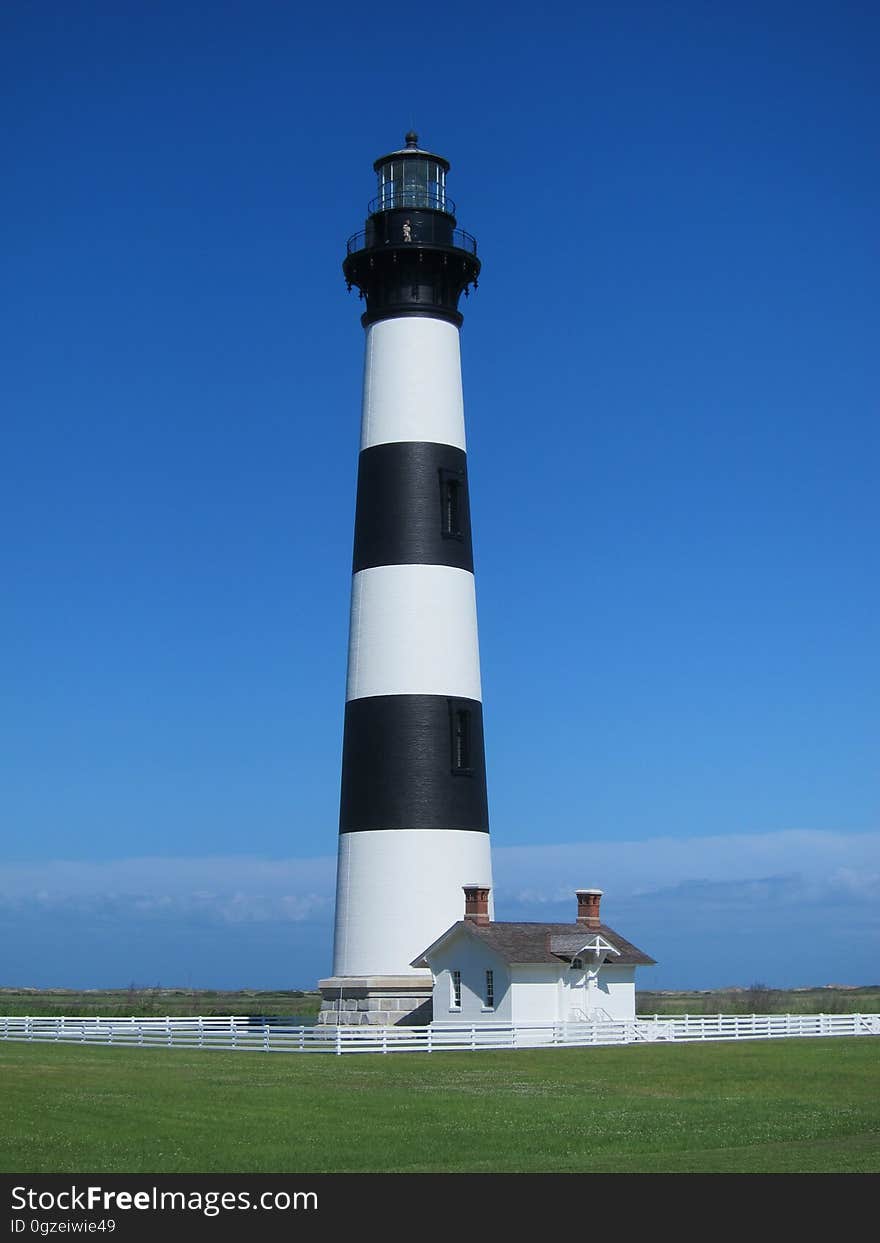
(413, 824)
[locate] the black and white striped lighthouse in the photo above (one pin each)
(413, 825)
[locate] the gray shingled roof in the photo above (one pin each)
(531, 942)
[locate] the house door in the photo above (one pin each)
(577, 994)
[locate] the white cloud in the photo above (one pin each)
(548, 874)
(685, 900)
(236, 889)
(229, 889)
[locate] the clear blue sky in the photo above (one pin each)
(671, 388)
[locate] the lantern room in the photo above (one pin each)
(412, 178)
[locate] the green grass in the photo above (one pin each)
(786, 1105)
(181, 1002)
(154, 1002)
(759, 999)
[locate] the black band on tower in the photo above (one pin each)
(412, 507)
(413, 762)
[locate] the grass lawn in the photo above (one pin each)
(782, 1105)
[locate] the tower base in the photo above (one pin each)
(379, 1000)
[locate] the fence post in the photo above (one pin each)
(338, 1040)
(428, 1040)
(384, 1039)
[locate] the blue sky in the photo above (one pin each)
(671, 379)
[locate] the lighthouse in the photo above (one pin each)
(413, 822)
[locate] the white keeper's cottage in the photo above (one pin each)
(532, 973)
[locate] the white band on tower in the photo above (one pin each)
(412, 383)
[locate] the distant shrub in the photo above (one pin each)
(759, 999)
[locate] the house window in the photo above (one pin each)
(461, 740)
(451, 485)
(577, 964)
(490, 990)
(455, 999)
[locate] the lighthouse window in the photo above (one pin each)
(412, 183)
(455, 999)
(415, 178)
(461, 740)
(451, 483)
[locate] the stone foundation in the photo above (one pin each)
(377, 1000)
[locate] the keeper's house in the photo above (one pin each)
(532, 973)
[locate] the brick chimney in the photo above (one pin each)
(476, 904)
(588, 907)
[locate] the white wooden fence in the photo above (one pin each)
(240, 1032)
